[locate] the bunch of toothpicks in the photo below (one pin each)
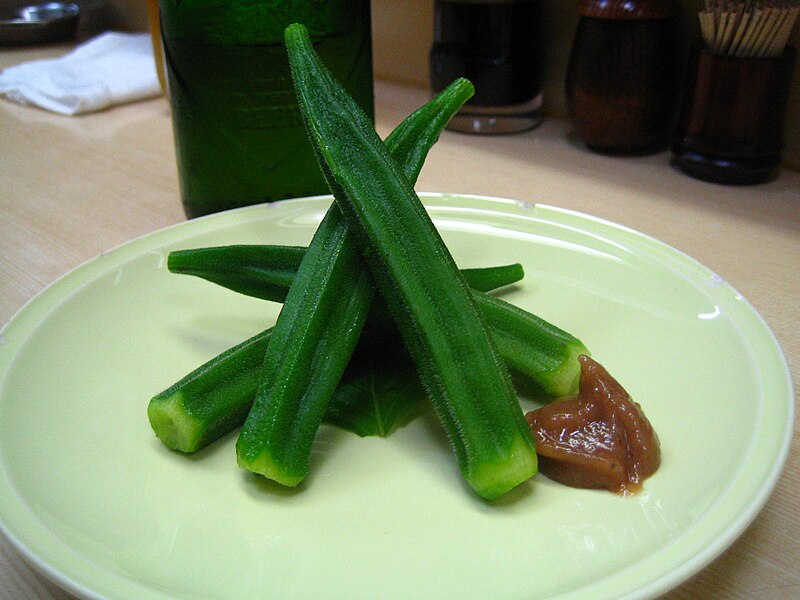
(749, 28)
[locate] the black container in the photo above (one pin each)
(732, 120)
(496, 44)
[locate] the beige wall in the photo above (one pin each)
(129, 15)
(402, 32)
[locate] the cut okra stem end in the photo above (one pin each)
(564, 380)
(263, 464)
(490, 480)
(177, 429)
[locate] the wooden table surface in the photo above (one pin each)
(74, 187)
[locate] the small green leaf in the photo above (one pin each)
(378, 393)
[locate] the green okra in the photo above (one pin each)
(214, 399)
(542, 356)
(267, 271)
(260, 271)
(311, 343)
(429, 300)
(320, 324)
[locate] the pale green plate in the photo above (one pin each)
(92, 498)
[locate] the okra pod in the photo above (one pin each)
(542, 357)
(450, 344)
(310, 346)
(267, 271)
(320, 324)
(260, 271)
(214, 399)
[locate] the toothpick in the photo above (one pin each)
(764, 34)
(752, 28)
(737, 39)
(782, 37)
(747, 27)
(773, 34)
(734, 18)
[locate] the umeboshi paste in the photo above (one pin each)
(599, 439)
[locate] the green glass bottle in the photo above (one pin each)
(239, 136)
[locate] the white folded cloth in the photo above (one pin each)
(112, 68)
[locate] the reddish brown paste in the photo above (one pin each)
(599, 439)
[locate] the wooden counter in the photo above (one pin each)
(75, 187)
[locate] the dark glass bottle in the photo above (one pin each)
(498, 46)
(623, 75)
(239, 135)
